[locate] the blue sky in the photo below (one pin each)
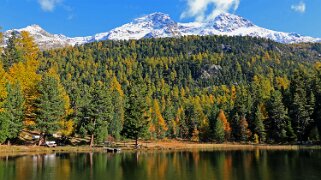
(87, 17)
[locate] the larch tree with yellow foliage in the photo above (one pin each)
(25, 72)
(158, 120)
(226, 124)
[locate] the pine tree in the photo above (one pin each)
(245, 132)
(49, 107)
(235, 127)
(317, 90)
(278, 121)
(11, 54)
(219, 133)
(97, 113)
(258, 124)
(169, 116)
(136, 116)
(116, 125)
(14, 111)
(183, 131)
(302, 105)
(4, 126)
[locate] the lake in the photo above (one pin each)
(182, 165)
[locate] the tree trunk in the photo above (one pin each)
(42, 139)
(8, 143)
(92, 141)
(136, 142)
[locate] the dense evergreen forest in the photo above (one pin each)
(208, 89)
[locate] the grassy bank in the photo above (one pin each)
(153, 145)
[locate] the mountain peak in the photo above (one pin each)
(157, 16)
(226, 22)
(155, 19)
(32, 28)
(160, 25)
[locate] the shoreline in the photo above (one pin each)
(153, 146)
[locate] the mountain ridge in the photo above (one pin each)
(160, 25)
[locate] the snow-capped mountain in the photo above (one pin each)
(159, 25)
(46, 40)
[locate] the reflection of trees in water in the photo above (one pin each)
(257, 164)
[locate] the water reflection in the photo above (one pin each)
(257, 164)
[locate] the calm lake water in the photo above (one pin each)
(194, 165)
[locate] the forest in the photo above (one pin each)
(197, 88)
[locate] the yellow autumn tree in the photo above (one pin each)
(282, 82)
(115, 85)
(25, 73)
(27, 47)
(158, 120)
(226, 124)
(3, 91)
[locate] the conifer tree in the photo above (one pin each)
(302, 105)
(219, 133)
(97, 113)
(183, 131)
(317, 90)
(13, 111)
(11, 54)
(158, 120)
(116, 125)
(49, 107)
(4, 124)
(226, 124)
(24, 70)
(278, 121)
(136, 113)
(258, 124)
(244, 130)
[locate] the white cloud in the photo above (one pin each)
(199, 9)
(300, 8)
(49, 5)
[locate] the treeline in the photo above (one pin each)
(210, 89)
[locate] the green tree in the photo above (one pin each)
(244, 130)
(49, 107)
(116, 125)
(278, 121)
(136, 117)
(302, 105)
(14, 111)
(118, 100)
(219, 133)
(96, 114)
(11, 53)
(258, 124)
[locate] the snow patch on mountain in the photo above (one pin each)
(160, 25)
